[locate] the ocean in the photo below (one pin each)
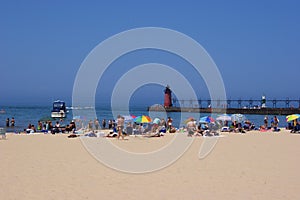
(24, 115)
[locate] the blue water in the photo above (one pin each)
(25, 115)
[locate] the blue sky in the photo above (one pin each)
(255, 45)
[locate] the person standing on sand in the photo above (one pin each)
(110, 124)
(266, 122)
(103, 123)
(276, 121)
(39, 126)
(90, 125)
(120, 126)
(96, 124)
(169, 123)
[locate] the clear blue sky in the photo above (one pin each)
(255, 44)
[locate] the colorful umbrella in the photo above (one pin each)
(224, 117)
(206, 119)
(142, 119)
(133, 116)
(292, 117)
(238, 118)
(128, 117)
(156, 121)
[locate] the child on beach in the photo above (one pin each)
(120, 126)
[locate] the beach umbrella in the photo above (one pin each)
(292, 117)
(223, 117)
(156, 121)
(206, 119)
(190, 119)
(133, 116)
(128, 117)
(142, 119)
(238, 118)
(191, 124)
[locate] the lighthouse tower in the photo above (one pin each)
(168, 97)
(263, 101)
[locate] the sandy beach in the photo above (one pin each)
(254, 165)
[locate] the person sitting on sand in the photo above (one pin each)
(129, 129)
(263, 128)
(31, 129)
(71, 127)
(154, 128)
(157, 134)
(199, 131)
(162, 129)
(56, 128)
(247, 125)
(213, 127)
(112, 134)
(191, 128)
(240, 129)
(172, 129)
(148, 128)
(91, 134)
(139, 129)
(156, 131)
(233, 127)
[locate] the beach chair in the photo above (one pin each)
(3, 133)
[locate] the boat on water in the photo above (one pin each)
(59, 109)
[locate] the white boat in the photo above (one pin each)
(59, 109)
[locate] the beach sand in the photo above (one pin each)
(254, 165)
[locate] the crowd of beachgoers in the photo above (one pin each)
(157, 127)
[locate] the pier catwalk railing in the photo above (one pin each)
(237, 103)
(231, 106)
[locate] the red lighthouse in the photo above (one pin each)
(168, 97)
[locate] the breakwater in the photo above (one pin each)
(257, 111)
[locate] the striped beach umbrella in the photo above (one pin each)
(142, 119)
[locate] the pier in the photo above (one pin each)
(261, 106)
(249, 106)
(260, 111)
